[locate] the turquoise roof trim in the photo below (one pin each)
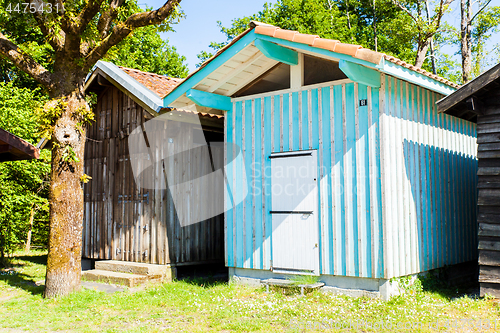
(411, 76)
(361, 74)
(210, 67)
(209, 100)
(384, 66)
(277, 52)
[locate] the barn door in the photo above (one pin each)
(295, 213)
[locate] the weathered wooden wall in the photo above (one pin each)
(125, 222)
(488, 139)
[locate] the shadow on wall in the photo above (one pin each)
(442, 206)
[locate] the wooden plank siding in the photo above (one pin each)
(488, 137)
(396, 194)
(123, 220)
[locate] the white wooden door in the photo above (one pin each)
(294, 212)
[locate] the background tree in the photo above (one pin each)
(426, 24)
(79, 33)
(474, 29)
(348, 21)
(145, 50)
(23, 184)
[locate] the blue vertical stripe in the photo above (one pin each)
(365, 202)
(327, 167)
(239, 185)
(378, 240)
(305, 121)
(256, 165)
(229, 195)
(351, 145)
(277, 122)
(340, 230)
(286, 123)
(295, 121)
(248, 225)
(267, 181)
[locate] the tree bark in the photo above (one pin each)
(30, 229)
(465, 39)
(66, 198)
(421, 52)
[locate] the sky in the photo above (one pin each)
(195, 32)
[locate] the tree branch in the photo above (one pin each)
(56, 41)
(86, 15)
(479, 11)
(403, 8)
(25, 62)
(123, 29)
(104, 23)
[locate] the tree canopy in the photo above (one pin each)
(404, 29)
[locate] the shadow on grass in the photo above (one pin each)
(20, 280)
(204, 282)
(441, 286)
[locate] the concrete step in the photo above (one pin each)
(126, 279)
(162, 272)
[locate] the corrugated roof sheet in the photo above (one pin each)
(201, 114)
(356, 51)
(161, 85)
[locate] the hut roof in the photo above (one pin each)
(13, 148)
(159, 84)
(243, 60)
(463, 103)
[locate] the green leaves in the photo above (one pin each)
(69, 155)
(23, 184)
(145, 50)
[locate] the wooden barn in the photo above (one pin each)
(479, 102)
(124, 221)
(348, 172)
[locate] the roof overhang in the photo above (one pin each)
(13, 148)
(472, 98)
(127, 84)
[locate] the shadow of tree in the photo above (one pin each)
(15, 278)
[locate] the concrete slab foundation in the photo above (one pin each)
(351, 286)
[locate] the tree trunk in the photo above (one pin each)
(66, 193)
(375, 37)
(30, 229)
(465, 39)
(421, 53)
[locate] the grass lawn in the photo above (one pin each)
(193, 306)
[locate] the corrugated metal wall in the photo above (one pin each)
(354, 201)
(346, 136)
(429, 182)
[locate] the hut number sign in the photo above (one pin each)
(363, 102)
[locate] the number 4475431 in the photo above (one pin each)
(27, 7)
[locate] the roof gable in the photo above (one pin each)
(240, 62)
(145, 88)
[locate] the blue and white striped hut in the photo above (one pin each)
(347, 171)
